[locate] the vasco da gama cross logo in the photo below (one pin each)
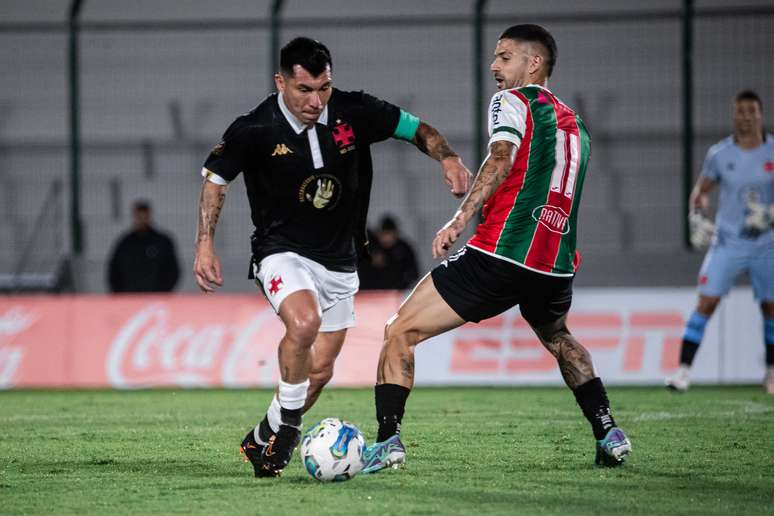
(276, 285)
(344, 136)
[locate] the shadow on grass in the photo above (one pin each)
(161, 468)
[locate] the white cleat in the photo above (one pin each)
(680, 381)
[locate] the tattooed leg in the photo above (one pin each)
(574, 360)
(578, 372)
(396, 361)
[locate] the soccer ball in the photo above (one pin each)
(332, 450)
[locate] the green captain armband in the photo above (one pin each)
(407, 126)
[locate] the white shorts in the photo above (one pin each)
(281, 274)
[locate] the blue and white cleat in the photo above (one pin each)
(613, 449)
(389, 453)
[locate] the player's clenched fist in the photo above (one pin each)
(456, 175)
(446, 237)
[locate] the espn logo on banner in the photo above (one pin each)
(507, 345)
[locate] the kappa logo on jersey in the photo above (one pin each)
(281, 149)
(497, 106)
(553, 218)
(276, 285)
(769, 166)
(344, 137)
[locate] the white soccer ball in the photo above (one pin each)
(332, 450)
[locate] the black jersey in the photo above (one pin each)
(299, 204)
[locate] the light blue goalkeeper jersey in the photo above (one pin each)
(746, 182)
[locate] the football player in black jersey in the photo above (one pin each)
(304, 153)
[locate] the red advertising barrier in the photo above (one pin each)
(224, 340)
(133, 341)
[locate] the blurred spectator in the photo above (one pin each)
(392, 264)
(143, 259)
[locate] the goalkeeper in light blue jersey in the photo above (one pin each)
(742, 167)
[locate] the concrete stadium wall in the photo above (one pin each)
(154, 102)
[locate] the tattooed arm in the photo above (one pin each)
(492, 173)
(431, 142)
(206, 263)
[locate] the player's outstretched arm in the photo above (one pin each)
(206, 263)
(455, 173)
(492, 173)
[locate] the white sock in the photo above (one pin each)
(293, 396)
(274, 416)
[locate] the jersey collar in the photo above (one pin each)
(298, 126)
(538, 86)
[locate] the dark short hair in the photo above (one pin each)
(141, 205)
(536, 34)
(388, 223)
(749, 95)
(310, 54)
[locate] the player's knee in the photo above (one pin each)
(707, 305)
(767, 308)
(399, 331)
(304, 326)
(563, 346)
(550, 333)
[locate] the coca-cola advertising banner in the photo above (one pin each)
(221, 340)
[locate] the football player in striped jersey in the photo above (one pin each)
(522, 253)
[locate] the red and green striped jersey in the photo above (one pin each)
(531, 218)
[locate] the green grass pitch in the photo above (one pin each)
(470, 451)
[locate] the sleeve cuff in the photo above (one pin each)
(505, 136)
(212, 177)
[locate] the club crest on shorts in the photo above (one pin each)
(276, 285)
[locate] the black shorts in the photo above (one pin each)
(478, 286)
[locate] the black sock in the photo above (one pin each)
(291, 417)
(592, 398)
(688, 352)
(390, 405)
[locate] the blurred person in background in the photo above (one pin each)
(522, 253)
(144, 258)
(742, 237)
(392, 264)
(304, 154)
